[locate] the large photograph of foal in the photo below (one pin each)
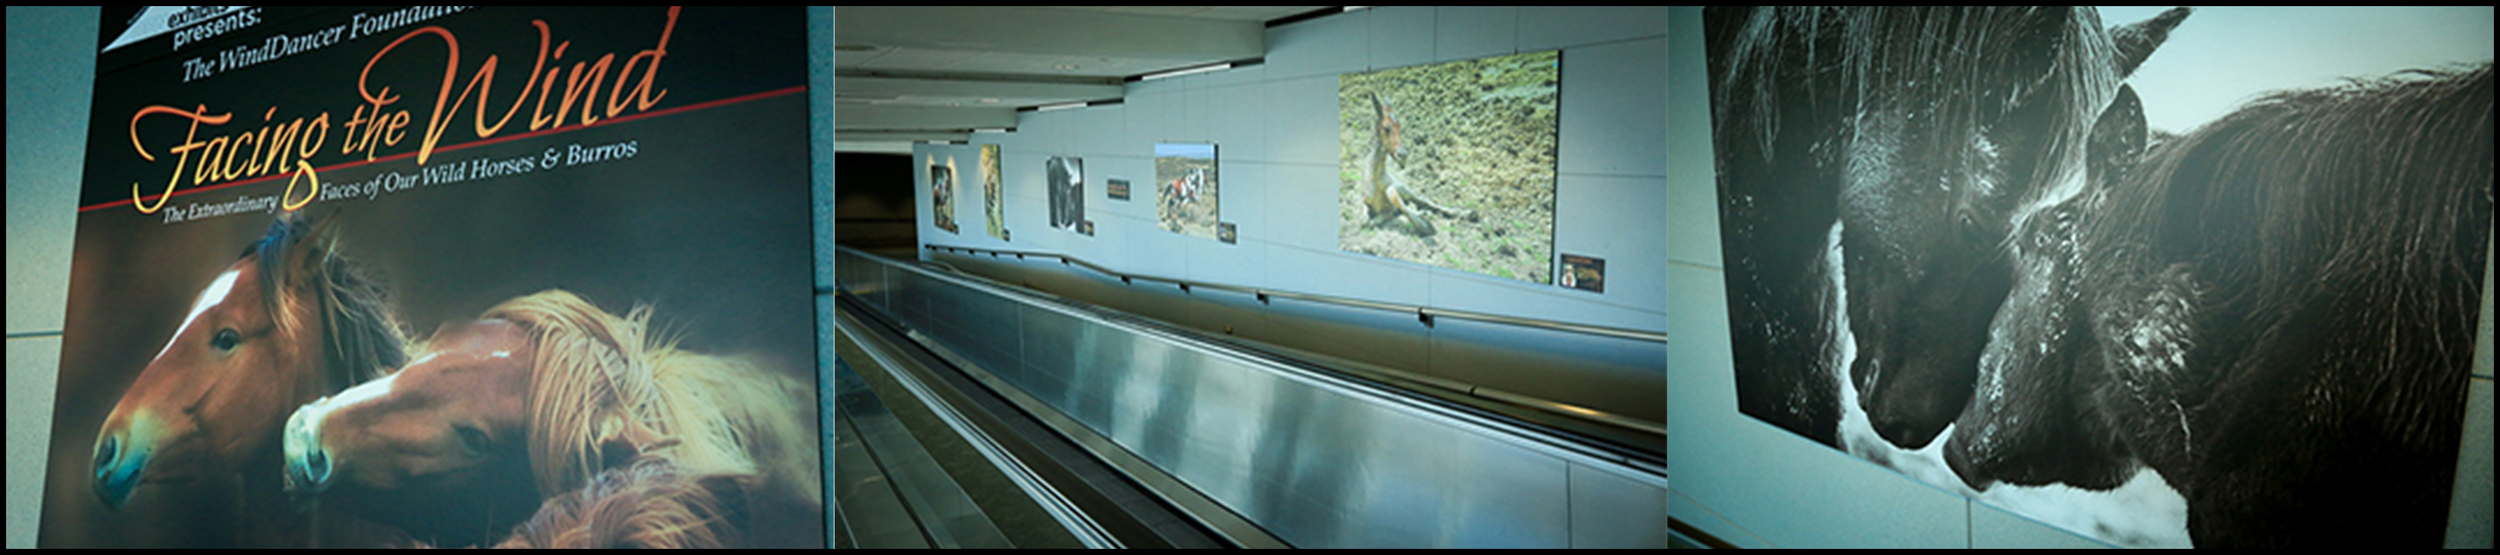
(587, 326)
(2089, 266)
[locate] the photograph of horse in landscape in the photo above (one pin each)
(291, 320)
(942, 194)
(494, 418)
(2276, 312)
(1453, 164)
(1870, 161)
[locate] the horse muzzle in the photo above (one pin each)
(308, 465)
(119, 462)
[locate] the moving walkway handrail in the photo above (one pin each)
(1422, 312)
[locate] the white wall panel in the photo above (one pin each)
(1546, 28)
(1612, 120)
(1400, 36)
(1467, 32)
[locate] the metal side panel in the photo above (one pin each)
(1318, 468)
(1610, 510)
(1395, 340)
(1616, 375)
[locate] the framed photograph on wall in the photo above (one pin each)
(1067, 191)
(2160, 277)
(994, 206)
(1452, 164)
(942, 193)
(1186, 189)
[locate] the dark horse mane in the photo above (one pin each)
(2395, 222)
(1832, 52)
(1870, 163)
(363, 329)
(2284, 301)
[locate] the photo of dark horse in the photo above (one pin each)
(2275, 311)
(1870, 163)
(1066, 178)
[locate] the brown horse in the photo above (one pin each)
(288, 322)
(532, 402)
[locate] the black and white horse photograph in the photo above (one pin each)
(1066, 179)
(2159, 276)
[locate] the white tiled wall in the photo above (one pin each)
(51, 76)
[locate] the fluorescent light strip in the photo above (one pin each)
(1177, 73)
(1068, 106)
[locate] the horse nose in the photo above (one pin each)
(308, 471)
(308, 465)
(117, 468)
(1905, 433)
(317, 467)
(1957, 456)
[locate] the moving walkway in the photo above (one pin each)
(1054, 423)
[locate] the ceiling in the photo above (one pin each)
(907, 74)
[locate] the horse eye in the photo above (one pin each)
(472, 439)
(225, 340)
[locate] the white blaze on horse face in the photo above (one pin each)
(209, 298)
(303, 429)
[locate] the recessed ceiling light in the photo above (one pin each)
(1181, 72)
(1064, 67)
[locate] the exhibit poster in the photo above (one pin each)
(1452, 164)
(1066, 178)
(942, 192)
(1116, 188)
(441, 276)
(1186, 190)
(990, 201)
(2160, 277)
(1584, 273)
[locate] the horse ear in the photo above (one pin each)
(312, 244)
(2136, 41)
(2117, 139)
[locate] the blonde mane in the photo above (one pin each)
(647, 504)
(602, 391)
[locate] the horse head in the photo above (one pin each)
(2031, 419)
(418, 449)
(1913, 137)
(532, 402)
(1389, 138)
(289, 321)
